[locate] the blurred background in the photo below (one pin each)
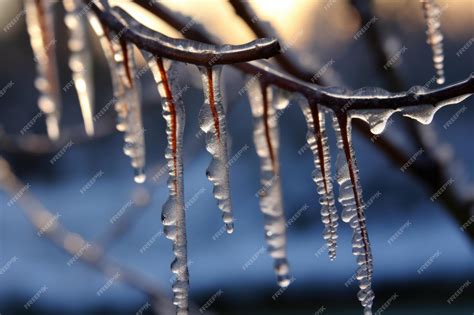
(421, 255)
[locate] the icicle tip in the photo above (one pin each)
(139, 176)
(229, 227)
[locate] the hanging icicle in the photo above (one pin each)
(266, 139)
(318, 142)
(350, 197)
(173, 214)
(135, 133)
(212, 122)
(432, 15)
(80, 60)
(121, 59)
(115, 67)
(40, 23)
(129, 111)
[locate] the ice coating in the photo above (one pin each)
(434, 38)
(266, 139)
(212, 122)
(376, 118)
(350, 197)
(318, 142)
(40, 24)
(173, 214)
(425, 113)
(80, 60)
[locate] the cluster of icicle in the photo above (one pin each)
(265, 102)
(432, 15)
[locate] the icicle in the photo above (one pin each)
(39, 20)
(116, 67)
(212, 122)
(80, 60)
(121, 59)
(265, 135)
(135, 133)
(173, 214)
(432, 13)
(129, 110)
(317, 141)
(350, 197)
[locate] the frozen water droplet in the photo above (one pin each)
(140, 176)
(376, 118)
(230, 228)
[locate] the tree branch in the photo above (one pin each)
(335, 99)
(184, 50)
(391, 150)
(286, 60)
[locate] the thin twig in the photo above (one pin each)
(288, 61)
(73, 243)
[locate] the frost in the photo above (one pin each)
(40, 23)
(350, 197)
(173, 214)
(212, 122)
(432, 14)
(317, 141)
(80, 60)
(265, 135)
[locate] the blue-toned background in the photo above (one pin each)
(321, 29)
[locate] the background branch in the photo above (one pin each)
(73, 244)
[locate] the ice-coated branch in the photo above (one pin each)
(340, 99)
(336, 99)
(184, 50)
(390, 149)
